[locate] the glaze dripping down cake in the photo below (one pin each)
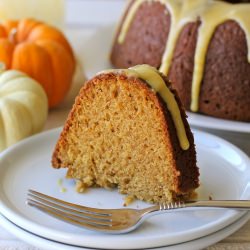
(128, 129)
(201, 45)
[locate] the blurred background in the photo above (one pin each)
(59, 12)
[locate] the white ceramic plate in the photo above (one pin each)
(204, 121)
(225, 174)
(200, 243)
(96, 57)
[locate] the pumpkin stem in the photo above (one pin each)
(12, 35)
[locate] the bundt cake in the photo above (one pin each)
(128, 129)
(203, 46)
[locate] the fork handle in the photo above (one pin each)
(235, 204)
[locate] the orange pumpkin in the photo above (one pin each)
(42, 52)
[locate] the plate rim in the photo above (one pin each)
(19, 220)
(28, 236)
(210, 122)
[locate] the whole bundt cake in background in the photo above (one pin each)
(128, 129)
(202, 45)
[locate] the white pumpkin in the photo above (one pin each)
(23, 107)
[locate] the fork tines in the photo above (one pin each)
(75, 214)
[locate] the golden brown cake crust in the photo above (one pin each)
(183, 162)
(188, 177)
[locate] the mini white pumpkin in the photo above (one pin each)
(23, 107)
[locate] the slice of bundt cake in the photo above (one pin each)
(128, 129)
